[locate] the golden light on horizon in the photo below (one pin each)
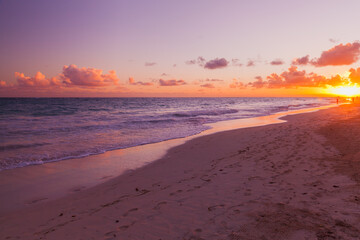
(345, 91)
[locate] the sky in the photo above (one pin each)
(161, 48)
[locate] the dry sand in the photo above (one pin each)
(294, 180)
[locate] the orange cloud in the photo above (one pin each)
(132, 82)
(3, 84)
(293, 78)
(208, 85)
(259, 83)
(171, 82)
(339, 55)
(301, 61)
(38, 80)
(71, 76)
(87, 77)
(354, 75)
(237, 84)
(213, 80)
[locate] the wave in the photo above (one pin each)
(98, 109)
(204, 113)
(152, 121)
(19, 146)
(107, 124)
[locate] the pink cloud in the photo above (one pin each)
(339, 55)
(199, 61)
(216, 63)
(301, 61)
(87, 77)
(39, 80)
(208, 85)
(277, 62)
(259, 83)
(172, 82)
(213, 80)
(132, 82)
(237, 84)
(150, 64)
(236, 62)
(294, 78)
(250, 63)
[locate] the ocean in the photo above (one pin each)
(40, 130)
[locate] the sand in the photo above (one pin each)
(293, 180)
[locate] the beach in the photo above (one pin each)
(292, 180)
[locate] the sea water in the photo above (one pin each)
(40, 130)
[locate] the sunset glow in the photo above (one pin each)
(89, 48)
(188, 119)
(345, 91)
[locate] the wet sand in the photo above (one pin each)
(293, 180)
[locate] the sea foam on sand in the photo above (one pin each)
(294, 180)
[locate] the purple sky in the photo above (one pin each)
(145, 39)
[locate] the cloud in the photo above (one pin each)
(250, 63)
(3, 84)
(213, 80)
(132, 82)
(150, 64)
(339, 55)
(87, 77)
(199, 61)
(301, 61)
(259, 83)
(237, 84)
(294, 78)
(216, 63)
(172, 82)
(354, 75)
(277, 62)
(39, 80)
(235, 62)
(190, 62)
(333, 40)
(208, 85)
(212, 64)
(72, 80)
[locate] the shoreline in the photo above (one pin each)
(204, 132)
(277, 181)
(89, 171)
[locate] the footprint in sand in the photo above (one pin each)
(36, 200)
(158, 206)
(129, 211)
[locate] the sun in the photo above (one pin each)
(345, 91)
